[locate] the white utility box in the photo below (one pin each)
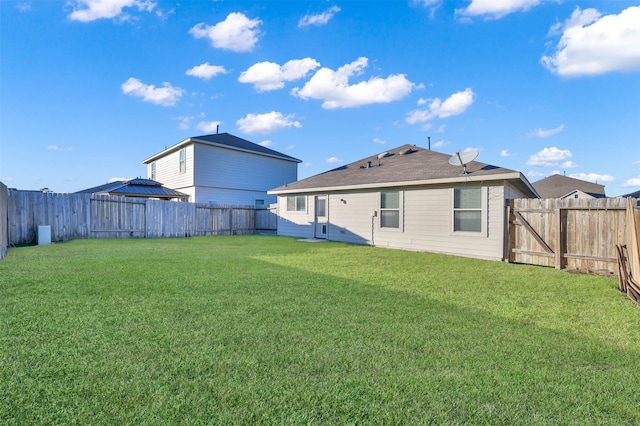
(44, 235)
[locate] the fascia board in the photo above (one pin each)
(461, 179)
(168, 151)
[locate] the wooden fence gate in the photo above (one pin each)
(576, 234)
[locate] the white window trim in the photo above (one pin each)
(400, 227)
(181, 162)
(484, 217)
(286, 204)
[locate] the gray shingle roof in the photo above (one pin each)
(557, 186)
(242, 144)
(417, 166)
(230, 141)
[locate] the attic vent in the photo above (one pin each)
(381, 156)
(406, 151)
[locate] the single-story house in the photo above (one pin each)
(559, 186)
(407, 198)
(222, 169)
(140, 188)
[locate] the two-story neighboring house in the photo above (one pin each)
(222, 169)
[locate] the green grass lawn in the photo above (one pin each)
(269, 330)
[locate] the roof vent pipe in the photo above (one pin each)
(368, 164)
(217, 128)
(429, 139)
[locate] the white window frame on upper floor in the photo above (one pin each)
(182, 159)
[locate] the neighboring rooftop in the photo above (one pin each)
(404, 165)
(558, 186)
(635, 194)
(229, 141)
(141, 188)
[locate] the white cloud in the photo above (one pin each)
(266, 143)
(166, 95)
(118, 179)
(334, 89)
(90, 10)
(540, 174)
(379, 141)
(569, 165)
(632, 182)
(7, 179)
(266, 123)
(636, 163)
(318, 19)
(441, 143)
(549, 157)
(208, 126)
(453, 105)
(496, 8)
(237, 33)
(59, 148)
(184, 122)
(289, 148)
(432, 5)
(23, 6)
(206, 71)
(270, 76)
(506, 153)
(427, 3)
(334, 160)
(543, 133)
(593, 177)
(592, 45)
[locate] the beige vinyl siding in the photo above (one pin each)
(298, 224)
(351, 221)
(429, 224)
(168, 170)
(426, 221)
(229, 196)
(220, 170)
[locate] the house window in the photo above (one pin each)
(259, 204)
(153, 171)
(321, 207)
(390, 209)
(183, 160)
(467, 209)
(296, 203)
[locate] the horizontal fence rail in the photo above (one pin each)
(574, 234)
(75, 216)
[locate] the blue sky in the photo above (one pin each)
(91, 88)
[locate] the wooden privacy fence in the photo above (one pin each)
(576, 234)
(73, 216)
(4, 237)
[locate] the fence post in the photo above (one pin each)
(559, 238)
